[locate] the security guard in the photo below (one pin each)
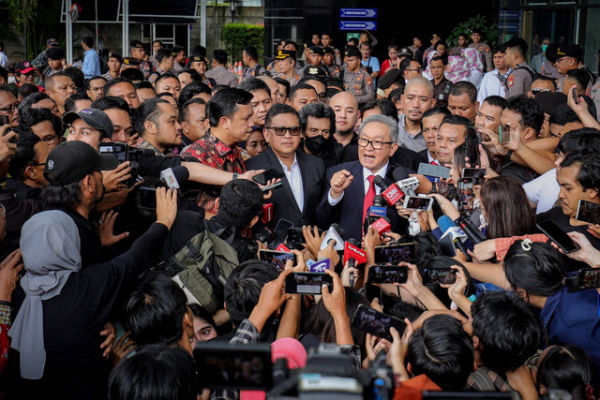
(285, 61)
(520, 79)
(356, 80)
(329, 63)
(483, 49)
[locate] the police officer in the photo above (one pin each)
(329, 63)
(520, 79)
(441, 85)
(252, 68)
(285, 62)
(483, 49)
(356, 80)
(138, 52)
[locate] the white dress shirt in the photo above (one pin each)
(366, 173)
(491, 85)
(543, 191)
(294, 178)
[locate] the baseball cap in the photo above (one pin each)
(55, 53)
(23, 67)
(198, 59)
(112, 54)
(70, 162)
(352, 51)
(51, 42)
(328, 50)
(136, 43)
(313, 71)
(569, 50)
(283, 54)
(95, 118)
(130, 61)
(316, 49)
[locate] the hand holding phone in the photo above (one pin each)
(376, 323)
(387, 274)
(588, 211)
(307, 282)
(557, 236)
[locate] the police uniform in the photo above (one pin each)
(486, 54)
(359, 83)
(519, 81)
(441, 92)
(295, 74)
(253, 72)
(145, 66)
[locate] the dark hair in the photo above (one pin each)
(93, 78)
(529, 110)
(470, 133)
(499, 48)
(401, 309)
(285, 84)
(3, 73)
(580, 76)
(70, 102)
(166, 75)
(184, 108)
(252, 52)
(112, 54)
(537, 270)
(253, 84)
(300, 86)
(496, 101)
(148, 111)
(108, 102)
(442, 351)
(25, 106)
(240, 201)
(177, 49)
(157, 41)
(580, 141)
(225, 103)
(443, 59)
(509, 329)
(194, 75)
(547, 79)
(23, 156)
(157, 372)
(405, 64)
(199, 50)
(314, 78)
(317, 110)
(517, 44)
(463, 87)
(88, 40)
(566, 367)
(243, 287)
(37, 115)
(166, 94)
(192, 89)
(155, 310)
(66, 196)
(507, 208)
(26, 89)
(114, 82)
(162, 53)
(436, 111)
(132, 74)
(396, 94)
(563, 114)
(278, 109)
(220, 56)
(589, 171)
(200, 312)
(143, 85)
(76, 75)
(426, 248)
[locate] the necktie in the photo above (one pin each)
(433, 163)
(369, 196)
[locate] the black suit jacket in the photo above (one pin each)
(312, 170)
(348, 212)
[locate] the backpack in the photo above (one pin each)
(484, 383)
(201, 269)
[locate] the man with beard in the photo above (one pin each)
(318, 127)
(418, 98)
(345, 106)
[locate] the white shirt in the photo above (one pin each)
(543, 191)
(3, 60)
(492, 86)
(430, 158)
(366, 184)
(294, 178)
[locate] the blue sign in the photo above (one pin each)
(320, 266)
(358, 25)
(358, 13)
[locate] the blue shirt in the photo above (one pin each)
(91, 64)
(573, 317)
(372, 62)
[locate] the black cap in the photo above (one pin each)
(328, 50)
(70, 162)
(313, 71)
(352, 51)
(199, 59)
(551, 52)
(95, 118)
(55, 53)
(550, 100)
(316, 49)
(112, 54)
(130, 61)
(136, 43)
(283, 54)
(23, 67)
(569, 50)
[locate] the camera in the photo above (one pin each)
(122, 153)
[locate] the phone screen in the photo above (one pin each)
(588, 212)
(307, 282)
(276, 258)
(147, 197)
(376, 323)
(466, 195)
(557, 235)
(473, 173)
(436, 171)
(387, 274)
(439, 276)
(394, 254)
(589, 278)
(266, 176)
(418, 203)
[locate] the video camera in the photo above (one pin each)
(122, 153)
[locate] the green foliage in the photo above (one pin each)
(489, 32)
(237, 36)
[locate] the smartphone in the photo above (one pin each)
(466, 195)
(574, 94)
(147, 198)
(439, 276)
(281, 229)
(376, 323)
(503, 138)
(436, 171)
(266, 176)
(294, 238)
(234, 366)
(307, 282)
(395, 253)
(588, 212)
(588, 278)
(387, 274)
(477, 173)
(273, 186)
(418, 203)
(557, 235)
(276, 258)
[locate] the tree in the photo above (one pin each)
(489, 33)
(237, 36)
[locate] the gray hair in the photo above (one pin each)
(383, 119)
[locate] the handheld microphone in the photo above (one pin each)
(352, 252)
(378, 180)
(472, 233)
(448, 227)
(335, 233)
(392, 194)
(409, 185)
(267, 213)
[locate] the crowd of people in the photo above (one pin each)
(141, 194)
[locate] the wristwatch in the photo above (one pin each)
(235, 175)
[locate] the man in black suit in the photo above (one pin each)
(303, 174)
(351, 187)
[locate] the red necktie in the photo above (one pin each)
(369, 196)
(433, 163)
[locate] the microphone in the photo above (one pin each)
(409, 185)
(378, 180)
(172, 176)
(353, 252)
(392, 194)
(335, 233)
(472, 233)
(267, 213)
(456, 234)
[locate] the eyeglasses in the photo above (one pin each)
(281, 130)
(376, 144)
